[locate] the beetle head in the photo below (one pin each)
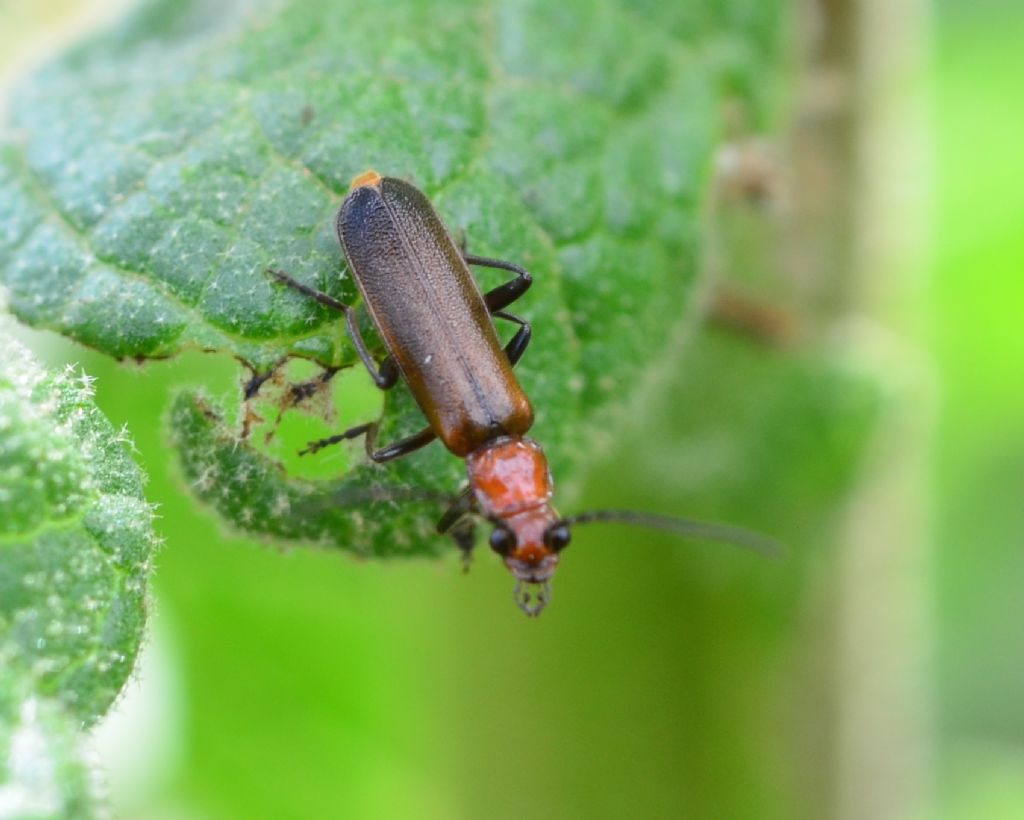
(530, 543)
(512, 485)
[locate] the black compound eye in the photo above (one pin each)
(503, 540)
(558, 537)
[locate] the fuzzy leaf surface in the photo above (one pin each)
(76, 538)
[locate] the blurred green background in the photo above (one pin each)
(877, 673)
(976, 294)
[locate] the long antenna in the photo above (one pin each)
(710, 530)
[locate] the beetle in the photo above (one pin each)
(438, 329)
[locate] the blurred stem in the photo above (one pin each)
(876, 54)
(852, 196)
(822, 164)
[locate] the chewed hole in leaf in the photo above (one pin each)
(300, 401)
(368, 510)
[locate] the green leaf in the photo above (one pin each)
(76, 540)
(161, 167)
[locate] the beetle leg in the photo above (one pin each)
(400, 448)
(387, 374)
(464, 535)
(312, 293)
(458, 522)
(518, 343)
(460, 506)
(503, 295)
(319, 444)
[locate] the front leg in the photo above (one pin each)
(459, 521)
